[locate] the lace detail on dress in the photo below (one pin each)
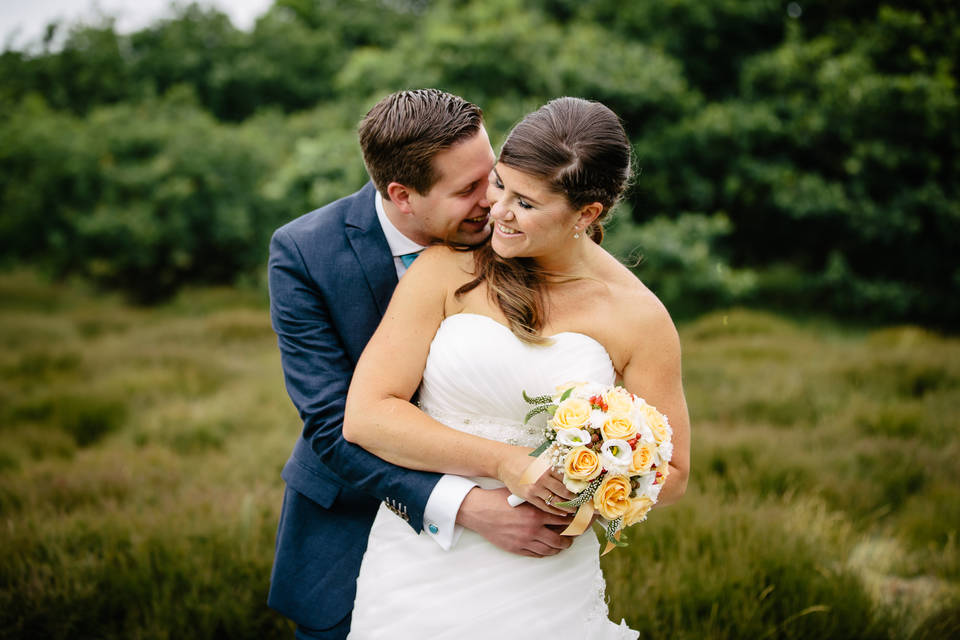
(492, 428)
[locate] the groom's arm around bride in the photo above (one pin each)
(332, 273)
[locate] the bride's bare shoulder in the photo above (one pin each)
(444, 261)
(643, 316)
(440, 267)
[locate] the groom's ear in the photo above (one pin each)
(400, 196)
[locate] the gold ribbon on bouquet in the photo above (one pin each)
(581, 521)
(610, 545)
(537, 468)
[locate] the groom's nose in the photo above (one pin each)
(483, 202)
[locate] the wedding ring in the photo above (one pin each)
(549, 500)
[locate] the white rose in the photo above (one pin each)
(576, 486)
(616, 456)
(643, 429)
(596, 418)
(573, 437)
(646, 486)
(666, 451)
(652, 492)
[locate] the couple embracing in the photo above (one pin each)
(395, 521)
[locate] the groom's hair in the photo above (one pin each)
(403, 132)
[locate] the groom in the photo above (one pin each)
(332, 272)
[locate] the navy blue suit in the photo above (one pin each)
(331, 278)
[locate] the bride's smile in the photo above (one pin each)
(507, 231)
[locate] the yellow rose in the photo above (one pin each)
(618, 400)
(582, 463)
(663, 473)
(612, 498)
(657, 423)
(572, 413)
(642, 457)
(637, 510)
(618, 428)
(569, 385)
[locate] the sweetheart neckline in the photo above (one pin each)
(559, 333)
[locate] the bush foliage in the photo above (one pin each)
(826, 135)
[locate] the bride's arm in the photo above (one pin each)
(653, 372)
(379, 416)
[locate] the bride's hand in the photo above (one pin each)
(546, 491)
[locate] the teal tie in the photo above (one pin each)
(408, 258)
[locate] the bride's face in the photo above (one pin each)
(529, 220)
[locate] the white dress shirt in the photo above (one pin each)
(440, 513)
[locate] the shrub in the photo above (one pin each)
(679, 260)
(159, 195)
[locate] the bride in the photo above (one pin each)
(540, 305)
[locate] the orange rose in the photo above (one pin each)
(612, 498)
(582, 463)
(637, 510)
(618, 427)
(642, 457)
(572, 413)
(657, 423)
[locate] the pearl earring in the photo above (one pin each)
(576, 236)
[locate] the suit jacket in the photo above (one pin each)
(331, 277)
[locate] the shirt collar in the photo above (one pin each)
(399, 244)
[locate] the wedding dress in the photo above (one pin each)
(408, 586)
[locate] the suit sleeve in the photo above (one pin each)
(317, 371)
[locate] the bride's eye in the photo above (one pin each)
(495, 180)
(524, 204)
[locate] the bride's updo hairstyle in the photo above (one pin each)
(579, 150)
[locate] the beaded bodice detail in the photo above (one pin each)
(477, 371)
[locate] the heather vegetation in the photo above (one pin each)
(141, 451)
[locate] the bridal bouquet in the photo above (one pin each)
(612, 448)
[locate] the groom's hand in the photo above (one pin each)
(524, 530)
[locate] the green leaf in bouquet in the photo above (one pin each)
(535, 399)
(541, 409)
(543, 447)
(583, 496)
(618, 543)
(566, 394)
(612, 529)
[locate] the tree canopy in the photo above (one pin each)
(800, 155)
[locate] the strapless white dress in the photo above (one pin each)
(411, 588)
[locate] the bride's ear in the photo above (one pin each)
(400, 196)
(589, 213)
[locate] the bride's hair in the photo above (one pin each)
(580, 150)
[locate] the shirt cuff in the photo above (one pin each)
(440, 514)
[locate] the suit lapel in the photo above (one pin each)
(370, 246)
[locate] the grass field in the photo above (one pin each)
(140, 457)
